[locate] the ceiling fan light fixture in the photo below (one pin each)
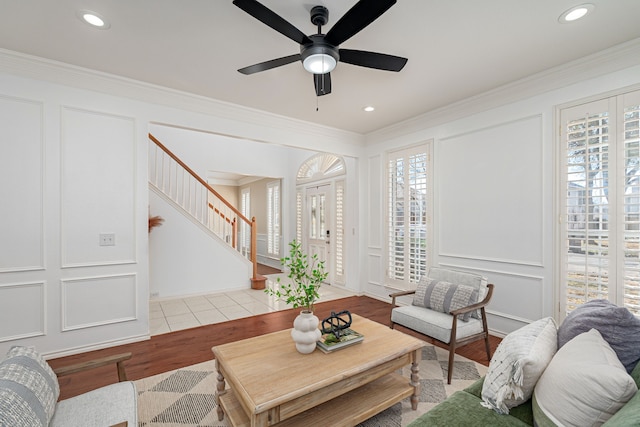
(319, 63)
(319, 58)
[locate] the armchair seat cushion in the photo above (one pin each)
(105, 406)
(433, 323)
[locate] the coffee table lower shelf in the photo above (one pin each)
(347, 410)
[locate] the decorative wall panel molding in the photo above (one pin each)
(22, 310)
(101, 300)
(98, 188)
(22, 189)
(375, 271)
(490, 187)
(514, 292)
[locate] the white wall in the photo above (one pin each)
(73, 167)
(73, 160)
(187, 259)
(494, 194)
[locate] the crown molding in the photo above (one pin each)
(610, 60)
(29, 66)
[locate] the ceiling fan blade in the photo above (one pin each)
(359, 16)
(379, 61)
(322, 82)
(267, 65)
(272, 19)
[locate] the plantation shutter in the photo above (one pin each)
(299, 216)
(339, 234)
(273, 218)
(601, 192)
(407, 228)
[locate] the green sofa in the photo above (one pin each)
(463, 409)
(615, 326)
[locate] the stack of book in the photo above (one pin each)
(348, 337)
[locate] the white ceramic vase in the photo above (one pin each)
(305, 332)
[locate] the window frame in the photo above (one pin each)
(614, 103)
(408, 281)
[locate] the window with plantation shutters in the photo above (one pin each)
(273, 218)
(406, 216)
(600, 187)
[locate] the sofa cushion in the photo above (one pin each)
(433, 323)
(617, 325)
(445, 296)
(517, 364)
(584, 385)
(463, 409)
(105, 406)
(628, 415)
(28, 389)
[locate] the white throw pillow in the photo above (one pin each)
(517, 364)
(584, 385)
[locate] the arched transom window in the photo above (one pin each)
(321, 166)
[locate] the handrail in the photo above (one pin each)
(200, 180)
(195, 208)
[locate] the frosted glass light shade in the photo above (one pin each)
(319, 63)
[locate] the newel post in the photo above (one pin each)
(257, 281)
(254, 247)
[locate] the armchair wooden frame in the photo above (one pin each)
(453, 341)
(118, 359)
(96, 363)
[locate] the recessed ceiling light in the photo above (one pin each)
(368, 108)
(94, 19)
(576, 13)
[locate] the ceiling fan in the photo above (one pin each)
(319, 52)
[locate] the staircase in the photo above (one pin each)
(194, 196)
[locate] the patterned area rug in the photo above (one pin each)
(185, 397)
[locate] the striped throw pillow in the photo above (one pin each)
(29, 389)
(444, 296)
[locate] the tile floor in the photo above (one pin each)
(174, 314)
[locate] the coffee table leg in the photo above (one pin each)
(220, 387)
(415, 381)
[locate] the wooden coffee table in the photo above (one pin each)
(270, 383)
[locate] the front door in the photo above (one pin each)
(318, 225)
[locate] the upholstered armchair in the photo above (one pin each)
(29, 392)
(448, 306)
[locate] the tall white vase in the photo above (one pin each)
(305, 332)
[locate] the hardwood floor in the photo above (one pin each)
(182, 348)
(263, 270)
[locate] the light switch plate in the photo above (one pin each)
(107, 239)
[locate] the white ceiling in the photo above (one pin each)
(456, 49)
